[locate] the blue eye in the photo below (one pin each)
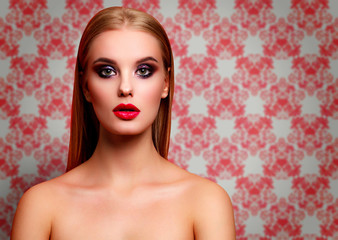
(144, 71)
(106, 72)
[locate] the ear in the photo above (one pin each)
(85, 89)
(166, 85)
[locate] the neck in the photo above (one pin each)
(125, 160)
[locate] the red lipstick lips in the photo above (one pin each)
(126, 111)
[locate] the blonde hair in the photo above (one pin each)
(84, 129)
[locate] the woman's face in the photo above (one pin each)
(125, 80)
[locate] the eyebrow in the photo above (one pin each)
(110, 61)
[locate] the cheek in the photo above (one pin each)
(153, 94)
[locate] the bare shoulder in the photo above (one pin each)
(211, 208)
(33, 217)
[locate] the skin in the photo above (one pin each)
(126, 190)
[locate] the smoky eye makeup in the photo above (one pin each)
(105, 71)
(145, 70)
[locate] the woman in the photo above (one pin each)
(119, 184)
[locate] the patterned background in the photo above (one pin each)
(256, 103)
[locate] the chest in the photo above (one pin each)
(138, 216)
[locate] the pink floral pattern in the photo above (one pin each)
(198, 72)
(9, 100)
(253, 15)
(310, 193)
(310, 15)
(225, 160)
(225, 40)
(255, 104)
(226, 100)
(311, 72)
(253, 133)
(282, 220)
(254, 72)
(328, 159)
(329, 40)
(254, 192)
(28, 132)
(53, 100)
(56, 40)
(281, 40)
(197, 133)
(282, 100)
(29, 72)
(197, 15)
(329, 219)
(79, 11)
(51, 167)
(281, 160)
(9, 160)
(28, 15)
(9, 38)
(329, 99)
(310, 132)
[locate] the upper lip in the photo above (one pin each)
(126, 107)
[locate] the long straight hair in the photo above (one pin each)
(84, 129)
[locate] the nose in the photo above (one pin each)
(125, 88)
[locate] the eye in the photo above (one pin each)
(106, 72)
(144, 71)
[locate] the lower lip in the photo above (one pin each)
(126, 115)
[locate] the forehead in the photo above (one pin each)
(124, 44)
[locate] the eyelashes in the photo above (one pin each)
(144, 71)
(106, 71)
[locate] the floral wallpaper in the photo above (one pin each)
(255, 106)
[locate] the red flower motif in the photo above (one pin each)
(197, 132)
(6, 218)
(79, 11)
(21, 184)
(310, 15)
(225, 160)
(282, 100)
(281, 160)
(28, 132)
(198, 72)
(241, 216)
(29, 72)
(9, 38)
(311, 72)
(329, 219)
(181, 102)
(226, 100)
(9, 100)
(179, 156)
(28, 15)
(56, 40)
(254, 73)
(254, 193)
(55, 100)
(281, 40)
(329, 99)
(329, 40)
(150, 6)
(9, 159)
(178, 37)
(310, 132)
(329, 160)
(52, 159)
(225, 40)
(253, 132)
(310, 193)
(197, 15)
(283, 220)
(253, 15)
